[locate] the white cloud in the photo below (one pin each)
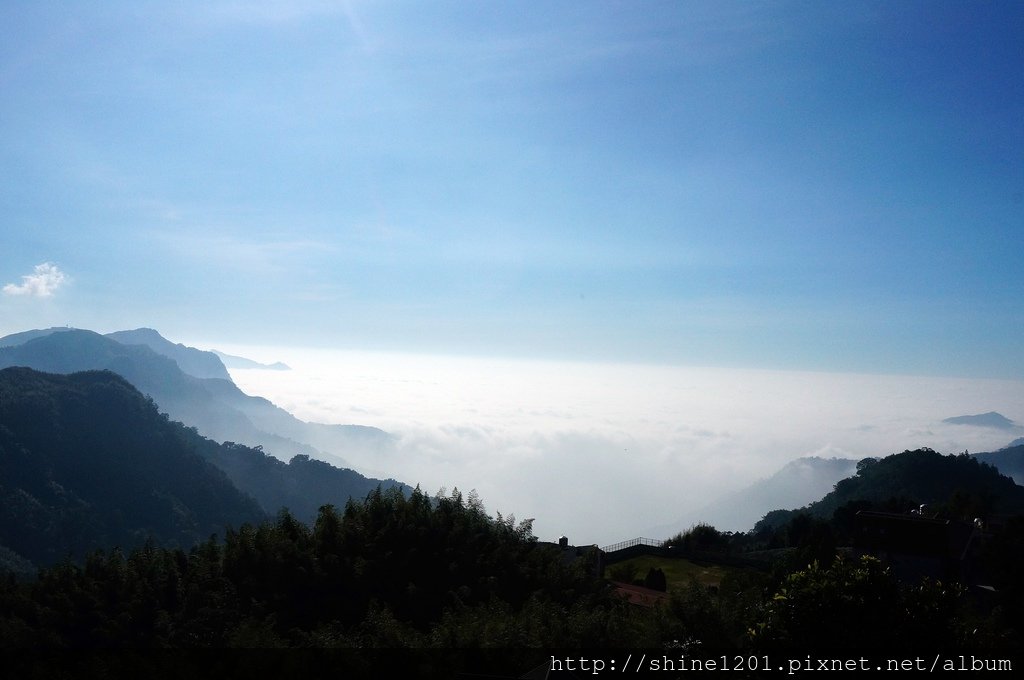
(607, 452)
(45, 280)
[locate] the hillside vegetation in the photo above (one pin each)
(146, 543)
(87, 462)
(216, 407)
(953, 486)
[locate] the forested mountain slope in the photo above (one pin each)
(959, 486)
(216, 407)
(87, 462)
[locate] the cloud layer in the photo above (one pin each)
(45, 280)
(607, 452)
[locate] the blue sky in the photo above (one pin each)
(808, 185)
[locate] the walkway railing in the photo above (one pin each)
(625, 550)
(630, 543)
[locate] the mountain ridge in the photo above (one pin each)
(216, 407)
(990, 419)
(88, 463)
(798, 482)
(194, 362)
(232, 361)
(922, 476)
(24, 336)
(805, 480)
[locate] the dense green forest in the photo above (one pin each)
(86, 462)
(960, 485)
(412, 571)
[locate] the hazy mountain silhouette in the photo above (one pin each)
(275, 420)
(25, 336)
(194, 362)
(232, 361)
(301, 485)
(797, 483)
(87, 462)
(990, 419)
(1009, 461)
(216, 407)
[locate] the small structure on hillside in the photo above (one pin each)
(591, 556)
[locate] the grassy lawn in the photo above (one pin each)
(678, 572)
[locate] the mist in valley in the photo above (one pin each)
(603, 452)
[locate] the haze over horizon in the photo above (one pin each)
(603, 452)
(810, 186)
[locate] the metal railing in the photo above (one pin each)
(630, 543)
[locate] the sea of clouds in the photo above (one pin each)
(603, 452)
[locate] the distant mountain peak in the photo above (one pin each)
(144, 332)
(15, 339)
(194, 362)
(990, 419)
(170, 374)
(797, 483)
